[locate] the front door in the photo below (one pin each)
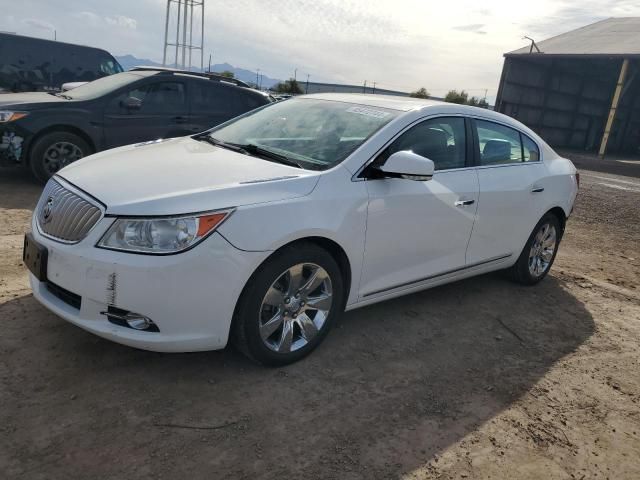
(418, 230)
(162, 113)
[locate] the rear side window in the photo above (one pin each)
(209, 98)
(530, 149)
(501, 145)
(442, 140)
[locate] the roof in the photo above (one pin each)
(393, 102)
(9, 36)
(610, 37)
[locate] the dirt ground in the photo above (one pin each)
(477, 379)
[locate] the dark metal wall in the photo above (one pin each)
(566, 100)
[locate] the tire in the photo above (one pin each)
(536, 260)
(288, 316)
(54, 150)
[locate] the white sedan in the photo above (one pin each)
(265, 229)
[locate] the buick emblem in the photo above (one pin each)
(46, 211)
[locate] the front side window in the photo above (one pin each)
(442, 140)
(315, 133)
(155, 98)
(109, 66)
(503, 145)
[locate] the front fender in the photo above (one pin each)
(336, 210)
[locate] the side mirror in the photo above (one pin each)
(408, 165)
(131, 103)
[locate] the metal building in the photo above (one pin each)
(579, 89)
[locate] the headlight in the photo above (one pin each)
(9, 116)
(161, 236)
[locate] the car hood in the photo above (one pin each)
(28, 98)
(183, 175)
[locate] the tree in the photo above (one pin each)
(420, 93)
(453, 96)
(462, 98)
(478, 102)
(227, 74)
(290, 86)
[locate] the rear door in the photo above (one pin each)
(512, 180)
(212, 103)
(163, 113)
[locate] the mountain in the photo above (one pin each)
(128, 61)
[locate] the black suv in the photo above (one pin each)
(47, 131)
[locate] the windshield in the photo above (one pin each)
(315, 133)
(102, 86)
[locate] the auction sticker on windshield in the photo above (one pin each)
(369, 112)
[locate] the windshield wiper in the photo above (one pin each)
(61, 95)
(249, 149)
(219, 143)
(266, 153)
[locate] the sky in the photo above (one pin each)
(399, 44)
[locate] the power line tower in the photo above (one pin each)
(180, 16)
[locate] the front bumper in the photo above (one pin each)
(190, 296)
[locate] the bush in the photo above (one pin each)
(420, 93)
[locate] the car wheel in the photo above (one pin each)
(539, 252)
(55, 150)
(289, 305)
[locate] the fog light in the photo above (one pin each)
(124, 318)
(139, 323)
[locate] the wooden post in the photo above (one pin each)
(614, 107)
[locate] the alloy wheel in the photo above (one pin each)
(542, 250)
(295, 307)
(59, 155)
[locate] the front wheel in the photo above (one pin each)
(54, 151)
(289, 305)
(539, 252)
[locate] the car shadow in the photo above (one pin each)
(391, 387)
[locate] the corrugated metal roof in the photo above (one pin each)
(613, 36)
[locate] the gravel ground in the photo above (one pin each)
(477, 379)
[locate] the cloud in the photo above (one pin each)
(473, 28)
(39, 24)
(122, 21)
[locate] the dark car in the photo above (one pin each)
(30, 64)
(46, 131)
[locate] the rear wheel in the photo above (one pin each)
(289, 305)
(539, 252)
(55, 150)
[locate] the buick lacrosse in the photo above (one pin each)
(263, 230)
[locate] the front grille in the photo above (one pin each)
(64, 215)
(66, 296)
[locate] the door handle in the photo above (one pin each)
(462, 203)
(537, 189)
(180, 119)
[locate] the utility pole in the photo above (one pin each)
(257, 79)
(364, 87)
(209, 63)
(374, 88)
(306, 90)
